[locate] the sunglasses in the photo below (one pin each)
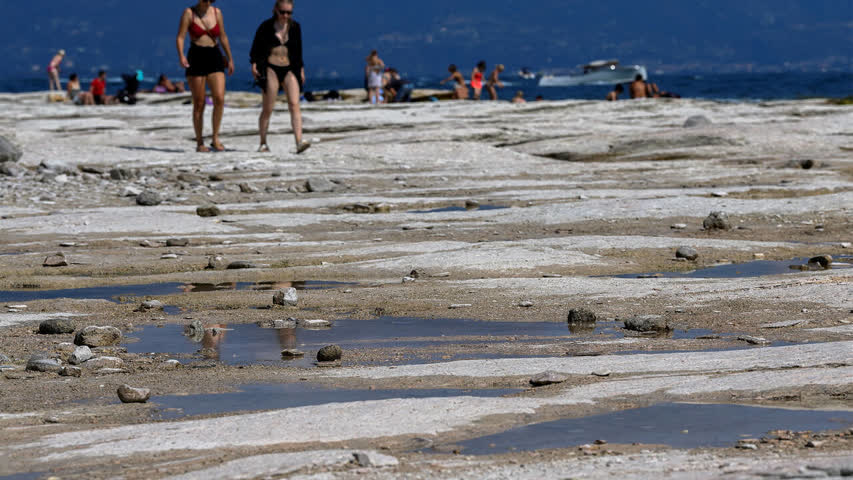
(285, 12)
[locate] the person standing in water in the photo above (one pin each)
(614, 94)
(494, 82)
(205, 65)
(277, 63)
(477, 79)
(53, 71)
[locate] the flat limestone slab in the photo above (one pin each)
(722, 361)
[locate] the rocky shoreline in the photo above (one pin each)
(426, 275)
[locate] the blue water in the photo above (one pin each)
(735, 86)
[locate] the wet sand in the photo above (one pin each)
(445, 243)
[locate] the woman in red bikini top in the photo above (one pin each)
(205, 65)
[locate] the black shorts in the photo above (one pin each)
(204, 61)
(280, 73)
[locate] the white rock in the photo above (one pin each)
(314, 323)
(80, 355)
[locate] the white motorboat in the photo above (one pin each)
(599, 72)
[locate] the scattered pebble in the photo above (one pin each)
(717, 221)
(208, 211)
(329, 353)
(753, 340)
(460, 305)
(128, 394)
(241, 265)
(148, 199)
(286, 297)
(581, 315)
(648, 323)
(314, 323)
(825, 261)
(678, 226)
(548, 378)
(56, 326)
(525, 304)
(291, 354)
(168, 256)
(56, 260)
(688, 253)
(602, 373)
(98, 336)
(552, 275)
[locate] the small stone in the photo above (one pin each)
(758, 256)
(319, 185)
(247, 188)
(747, 446)
(547, 378)
(552, 275)
(43, 362)
(688, 253)
(753, 340)
(287, 323)
(717, 221)
(208, 211)
(697, 121)
(414, 274)
(151, 305)
(846, 244)
(168, 256)
(601, 373)
(815, 443)
(121, 174)
(148, 199)
(10, 169)
(130, 191)
(408, 279)
(4, 359)
(648, 323)
(216, 263)
(241, 265)
(806, 164)
(525, 304)
(98, 336)
(56, 260)
(110, 371)
(287, 297)
(678, 226)
(581, 315)
(69, 371)
(171, 364)
(317, 323)
(382, 208)
(56, 326)
(292, 353)
(81, 354)
(8, 151)
(824, 261)
(177, 242)
(360, 208)
(459, 305)
(329, 353)
(98, 363)
(719, 194)
(128, 394)
(600, 442)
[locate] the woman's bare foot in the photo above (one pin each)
(217, 147)
(302, 147)
(202, 149)
(264, 148)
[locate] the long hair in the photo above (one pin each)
(280, 2)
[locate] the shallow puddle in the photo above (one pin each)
(244, 344)
(758, 268)
(460, 209)
(288, 395)
(679, 425)
(116, 293)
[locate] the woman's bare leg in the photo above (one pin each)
(217, 93)
(197, 87)
(493, 92)
(291, 89)
(270, 95)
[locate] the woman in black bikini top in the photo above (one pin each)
(276, 58)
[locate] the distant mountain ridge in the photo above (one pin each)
(669, 35)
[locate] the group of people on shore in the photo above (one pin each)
(639, 88)
(384, 84)
(276, 63)
(460, 88)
